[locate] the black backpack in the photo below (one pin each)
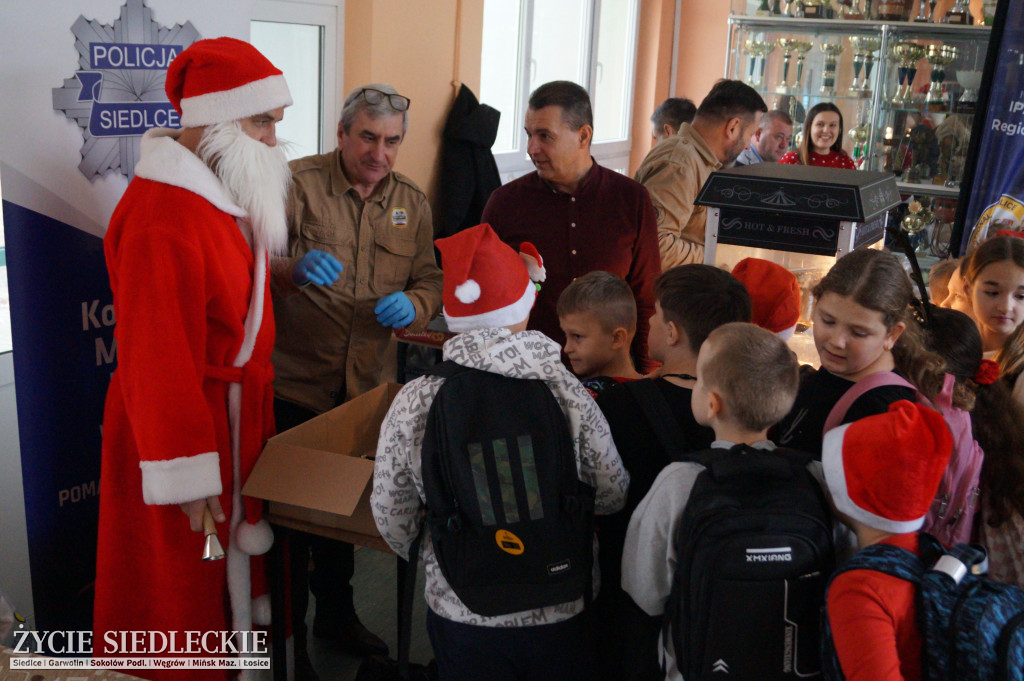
(755, 550)
(511, 523)
(972, 627)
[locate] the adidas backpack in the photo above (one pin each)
(972, 627)
(951, 516)
(512, 525)
(754, 550)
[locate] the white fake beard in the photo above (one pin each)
(255, 175)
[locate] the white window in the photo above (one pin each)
(301, 39)
(590, 42)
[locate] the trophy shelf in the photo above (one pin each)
(890, 79)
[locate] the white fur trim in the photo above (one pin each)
(505, 316)
(164, 160)
(256, 97)
(468, 291)
(261, 610)
(239, 576)
(835, 477)
(536, 273)
(786, 334)
(256, 538)
(187, 478)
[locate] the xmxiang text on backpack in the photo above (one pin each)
(755, 550)
(972, 627)
(510, 521)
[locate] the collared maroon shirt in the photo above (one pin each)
(607, 224)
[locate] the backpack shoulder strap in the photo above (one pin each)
(886, 558)
(876, 380)
(659, 414)
(944, 400)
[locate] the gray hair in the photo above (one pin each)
(355, 102)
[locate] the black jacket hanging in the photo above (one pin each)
(468, 171)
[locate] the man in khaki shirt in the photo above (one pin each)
(676, 169)
(360, 262)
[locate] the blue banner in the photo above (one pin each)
(996, 198)
(62, 323)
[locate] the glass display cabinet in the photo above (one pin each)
(905, 79)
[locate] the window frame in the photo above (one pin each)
(330, 16)
(613, 153)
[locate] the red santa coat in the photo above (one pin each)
(195, 331)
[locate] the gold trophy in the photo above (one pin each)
(907, 55)
(757, 49)
(939, 56)
(787, 45)
(802, 47)
(828, 78)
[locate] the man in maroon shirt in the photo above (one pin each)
(580, 216)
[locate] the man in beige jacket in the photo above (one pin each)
(360, 262)
(676, 169)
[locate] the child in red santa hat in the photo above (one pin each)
(774, 295)
(488, 295)
(882, 472)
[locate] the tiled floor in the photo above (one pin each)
(376, 602)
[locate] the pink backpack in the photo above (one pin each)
(951, 517)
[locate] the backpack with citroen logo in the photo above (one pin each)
(510, 522)
(755, 550)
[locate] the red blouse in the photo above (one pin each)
(834, 159)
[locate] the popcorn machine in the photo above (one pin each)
(803, 218)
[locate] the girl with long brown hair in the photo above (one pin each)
(995, 284)
(863, 324)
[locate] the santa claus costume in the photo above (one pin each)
(190, 403)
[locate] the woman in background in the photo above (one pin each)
(822, 143)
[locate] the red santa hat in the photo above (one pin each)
(883, 470)
(223, 79)
(774, 294)
(486, 283)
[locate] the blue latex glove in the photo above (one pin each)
(395, 310)
(316, 267)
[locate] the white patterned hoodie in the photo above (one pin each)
(398, 496)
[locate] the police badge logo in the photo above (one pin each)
(118, 92)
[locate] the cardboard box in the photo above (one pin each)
(321, 472)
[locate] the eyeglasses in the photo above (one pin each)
(375, 97)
